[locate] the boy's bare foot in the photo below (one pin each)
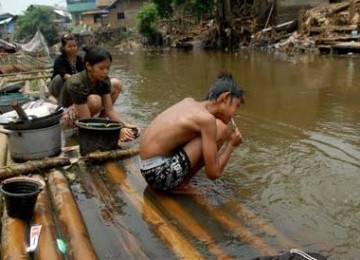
(187, 189)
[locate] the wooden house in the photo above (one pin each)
(122, 13)
(7, 23)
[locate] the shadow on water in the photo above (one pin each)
(293, 183)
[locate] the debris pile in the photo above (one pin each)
(328, 28)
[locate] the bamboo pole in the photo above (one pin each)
(3, 148)
(129, 243)
(37, 166)
(238, 229)
(167, 232)
(13, 238)
(47, 247)
(70, 218)
(99, 157)
(28, 78)
(15, 74)
(188, 222)
(173, 208)
(258, 221)
(231, 223)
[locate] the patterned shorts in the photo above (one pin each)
(69, 117)
(166, 173)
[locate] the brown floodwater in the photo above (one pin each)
(293, 183)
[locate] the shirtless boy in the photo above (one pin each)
(188, 135)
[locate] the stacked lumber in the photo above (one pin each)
(327, 27)
(331, 20)
(16, 62)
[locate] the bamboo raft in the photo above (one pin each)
(114, 215)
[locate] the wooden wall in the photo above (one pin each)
(122, 13)
(287, 10)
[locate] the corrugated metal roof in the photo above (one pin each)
(103, 3)
(8, 20)
(81, 7)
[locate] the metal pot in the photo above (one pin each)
(36, 123)
(34, 144)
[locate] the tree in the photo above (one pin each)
(37, 18)
(164, 8)
(146, 21)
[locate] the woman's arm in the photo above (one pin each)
(130, 131)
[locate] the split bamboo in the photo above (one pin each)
(188, 222)
(238, 229)
(169, 205)
(258, 221)
(17, 74)
(3, 149)
(47, 247)
(231, 223)
(167, 232)
(129, 243)
(70, 218)
(28, 78)
(13, 238)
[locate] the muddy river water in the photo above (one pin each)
(298, 170)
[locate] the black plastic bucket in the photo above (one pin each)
(98, 134)
(20, 198)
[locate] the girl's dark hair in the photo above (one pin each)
(64, 39)
(225, 83)
(96, 54)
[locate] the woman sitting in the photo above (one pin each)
(65, 65)
(92, 92)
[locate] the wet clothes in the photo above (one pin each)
(165, 173)
(77, 89)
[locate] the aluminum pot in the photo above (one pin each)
(34, 144)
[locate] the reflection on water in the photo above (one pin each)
(299, 166)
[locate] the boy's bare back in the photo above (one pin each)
(178, 125)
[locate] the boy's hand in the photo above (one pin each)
(235, 138)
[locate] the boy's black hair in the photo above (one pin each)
(225, 83)
(96, 54)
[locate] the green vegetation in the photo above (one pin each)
(159, 9)
(33, 19)
(164, 8)
(146, 21)
(202, 7)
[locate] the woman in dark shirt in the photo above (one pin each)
(65, 65)
(91, 92)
